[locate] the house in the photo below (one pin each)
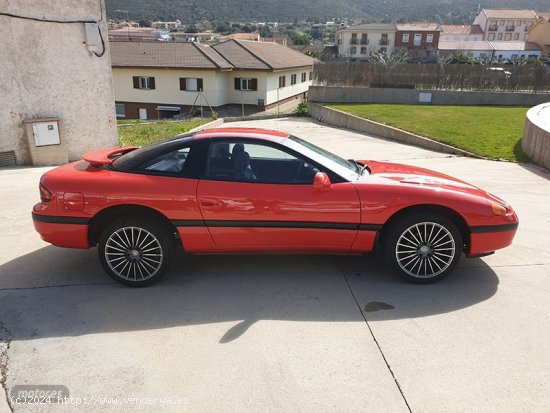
(135, 34)
(160, 80)
(419, 39)
(506, 25)
(357, 42)
(458, 33)
(540, 33)
(477, 49)
(516, 50)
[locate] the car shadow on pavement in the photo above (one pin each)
(55, 292)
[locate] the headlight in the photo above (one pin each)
(498, 209)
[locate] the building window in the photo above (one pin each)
(292, 79)
(144, 82)
(491, 37)
(304, 76)
(363, 50)
(282, 81)
(353, 38)
(429, 38)
(120, 110)
(246, 83)
(353, 50)
(364, 39)
(516, 36)
(508, 36)
(514, 56)
(417, 39)
(499, 36)
(310, 75)
(191, 84)
(405, 37)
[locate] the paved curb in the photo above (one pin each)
(338, 118)
(208, 125)
(259, 117)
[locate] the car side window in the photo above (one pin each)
(186, 161)
(168, 162)
(253, 162)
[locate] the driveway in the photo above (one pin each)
(293, 333)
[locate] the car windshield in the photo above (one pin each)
(347, 169)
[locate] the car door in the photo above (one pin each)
(257, 196)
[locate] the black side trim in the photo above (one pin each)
(370, 227)
(276, 224)
(494, 228)
(60, 220)
(188, 223)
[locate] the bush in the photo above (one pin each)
(301, 109)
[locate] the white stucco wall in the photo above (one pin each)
(374, 38)
(167, 87)
(219, 86)
(289, 90)
(47, 71)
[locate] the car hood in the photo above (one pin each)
(413, 175)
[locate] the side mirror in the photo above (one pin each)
(321, 181)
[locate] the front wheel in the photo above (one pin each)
(135, 252)
(423, 248)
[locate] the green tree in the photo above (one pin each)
(145, 23)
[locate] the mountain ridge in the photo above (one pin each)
(191, 11)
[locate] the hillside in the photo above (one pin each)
(188, 11)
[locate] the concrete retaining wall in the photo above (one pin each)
(536, 135)
(345, 120)
(327, 94)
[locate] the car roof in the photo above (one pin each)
(254, 133)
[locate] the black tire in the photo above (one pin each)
(422, 247)
(135, 251)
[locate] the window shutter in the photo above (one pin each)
(254, 84)
(151, 83)
(199, 84)
(237, 83)
(136, 82)
(182, 83)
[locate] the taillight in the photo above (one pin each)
(45, 195)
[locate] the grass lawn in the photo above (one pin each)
(140, 134)
(491, 131)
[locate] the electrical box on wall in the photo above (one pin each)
(45, 143)
(46, 133)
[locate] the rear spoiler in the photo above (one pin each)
(105, 157)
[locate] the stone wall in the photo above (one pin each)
(536, 135)
(48, 70)
(326, 94)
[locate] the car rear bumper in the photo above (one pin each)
(486, 239)
(68, 232)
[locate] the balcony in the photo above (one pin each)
(364, 41)
(510, 28)
(353, 41)
(384, 42)
(493, 28)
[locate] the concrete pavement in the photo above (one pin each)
(272, 333)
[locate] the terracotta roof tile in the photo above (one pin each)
(415, 27)
(461, 29)
(261, 55)
(510, 13)
(173, 55)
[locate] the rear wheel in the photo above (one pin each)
(135, 252)
(423, 248)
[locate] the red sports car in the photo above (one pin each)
(252, 190)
